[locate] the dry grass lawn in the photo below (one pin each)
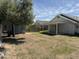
(40, 46)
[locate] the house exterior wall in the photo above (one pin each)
(67, 28)
(58, 20)
(52, 29)
(18, 28)
(77, 29)
(64, 26)
(52, 25)
(61, 28)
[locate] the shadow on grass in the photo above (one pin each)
(13, 40)
(46, 33)
(2, 49)
(75, 35)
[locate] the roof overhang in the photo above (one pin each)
(51, 22)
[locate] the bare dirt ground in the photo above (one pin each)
(40, 46)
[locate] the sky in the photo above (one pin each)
(48, 9)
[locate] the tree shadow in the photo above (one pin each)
(15, 41)
(46, 33)
(2, 49)
(75, 35)
(49, 34)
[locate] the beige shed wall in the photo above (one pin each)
(52, 29)
(64, 26)
(67, 28)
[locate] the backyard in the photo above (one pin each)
(39, 46)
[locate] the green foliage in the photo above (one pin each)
(24, 12)
(3, 10)
(44, 31)
(15, 12)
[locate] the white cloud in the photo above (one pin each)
(49, 12)
(77, 4)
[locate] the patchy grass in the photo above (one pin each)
(64, 49)
(39, 46)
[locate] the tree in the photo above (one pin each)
(16, 12)
(25, 12)
(21, 12)
(3, 13)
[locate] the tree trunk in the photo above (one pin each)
(1, 45)
(0, 31)
(13, 30)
